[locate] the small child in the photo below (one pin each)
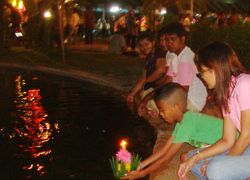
(193, 128)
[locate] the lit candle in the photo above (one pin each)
(123, 144)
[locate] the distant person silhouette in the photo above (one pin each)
(89, 17)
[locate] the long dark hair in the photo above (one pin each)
(220, 57)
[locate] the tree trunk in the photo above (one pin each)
(1, 25)
(60, 6)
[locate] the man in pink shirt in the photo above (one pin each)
(181, 69)
(181, 66)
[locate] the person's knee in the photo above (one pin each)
(213, 170)
(183, 157)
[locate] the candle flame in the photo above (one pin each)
(123, 144)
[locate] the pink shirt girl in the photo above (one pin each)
(239, 99)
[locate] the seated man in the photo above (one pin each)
(181, 69)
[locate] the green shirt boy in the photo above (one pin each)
(195, 127)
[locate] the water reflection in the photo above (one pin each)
(91, 119)
(33, 130)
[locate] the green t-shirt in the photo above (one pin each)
(198, 129)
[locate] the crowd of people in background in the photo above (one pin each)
(130, 26)
(84, 24)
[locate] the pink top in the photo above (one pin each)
(186, 75)
(239, 99)
(182, 68)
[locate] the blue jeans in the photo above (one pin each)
(224, 167)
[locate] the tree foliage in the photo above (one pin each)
(30, 6)
(238, 36)
(149, 7)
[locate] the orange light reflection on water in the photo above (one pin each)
(34, 129)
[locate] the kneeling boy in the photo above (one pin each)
(193, 128)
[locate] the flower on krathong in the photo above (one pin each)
(124, 156)
(124, 161)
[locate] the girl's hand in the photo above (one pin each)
(203, 168)
(185, 167)
(130, 98)
(141, 109)
(141, 93)
(130, 101)
(153, 114)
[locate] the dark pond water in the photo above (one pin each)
(59, 128)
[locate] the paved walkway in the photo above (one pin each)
(100, 47)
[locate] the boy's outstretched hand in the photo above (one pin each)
(133, 175)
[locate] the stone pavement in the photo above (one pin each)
(97, 47)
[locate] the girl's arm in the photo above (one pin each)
(138, 86)
(160, 69)
(244, 140)
(144, 101)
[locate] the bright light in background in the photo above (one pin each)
(14, 3)
(20, 5)
(47, 14)
(114, 9)
(163, 11)
(67, 1)
(198, 15)
(18, 34)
